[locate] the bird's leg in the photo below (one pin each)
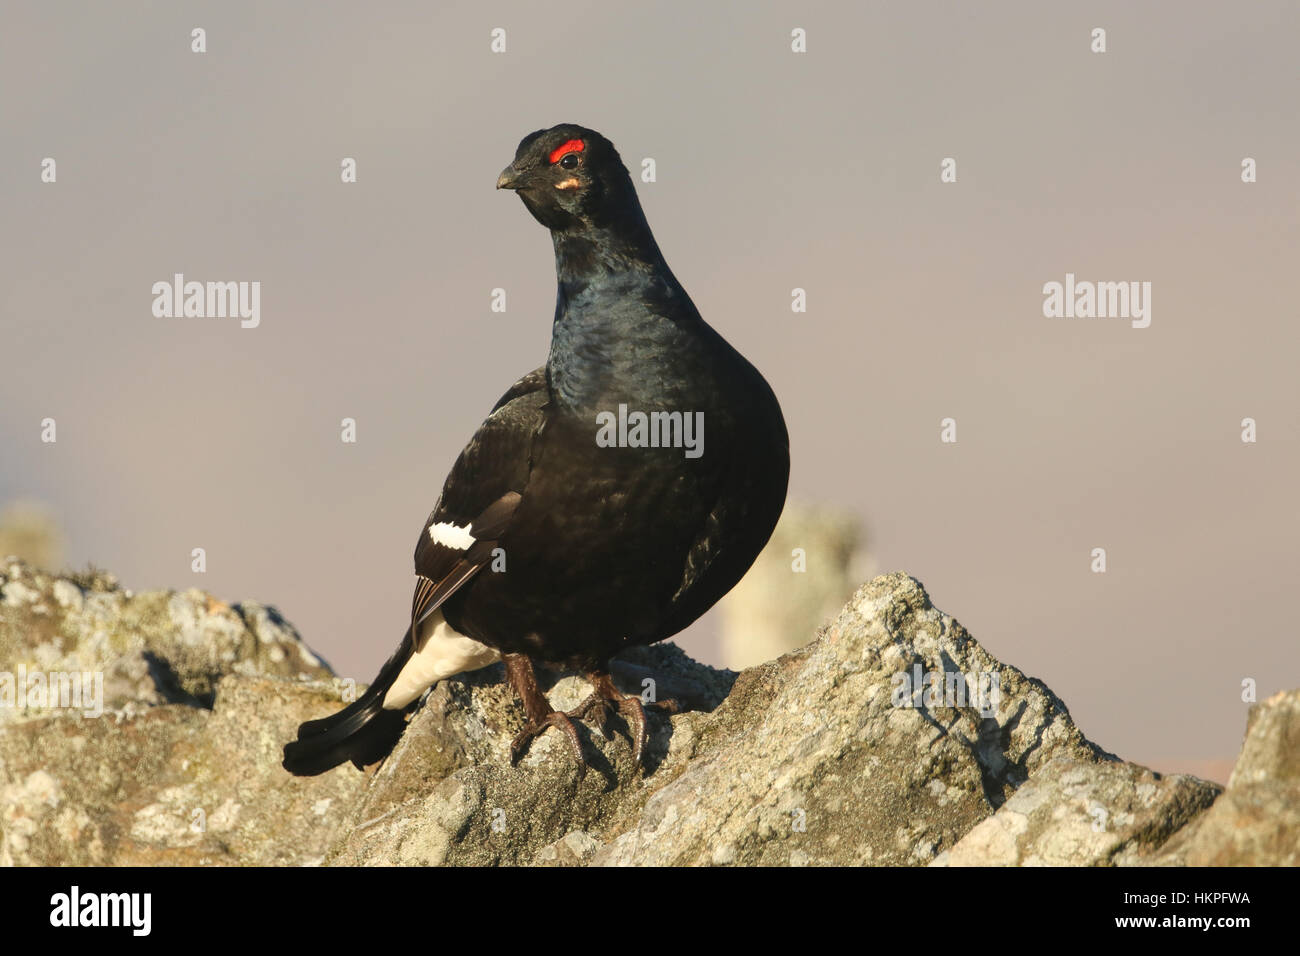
(519, 672)
(606, 697)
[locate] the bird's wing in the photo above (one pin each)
(479, 497)
(532, 383)
(736, 528)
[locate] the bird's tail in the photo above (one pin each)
(363, 732)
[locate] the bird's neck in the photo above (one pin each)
(617, 304)
(622, 249)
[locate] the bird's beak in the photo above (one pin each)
(510, 178)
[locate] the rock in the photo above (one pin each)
(1076, 813)
(805, 760)
(449, 795)
(893, 738)
(148, 649)
(181, 765)
(169, 785)
(1256, 822)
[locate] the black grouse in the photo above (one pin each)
(610, 498)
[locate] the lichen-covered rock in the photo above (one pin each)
(178, 760)
(893, 738)
(1256, 822)
(809, 759)
(1079, 813)
(146, 649)
(169, 785)
(449, 795)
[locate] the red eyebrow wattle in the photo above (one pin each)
(572, 146)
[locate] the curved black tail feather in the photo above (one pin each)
(362, 732)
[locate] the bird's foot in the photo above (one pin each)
(541, 716)
(605, 698)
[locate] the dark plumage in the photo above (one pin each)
(603, 547)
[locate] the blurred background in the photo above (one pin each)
(775, 170)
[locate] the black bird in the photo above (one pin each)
(588, 514)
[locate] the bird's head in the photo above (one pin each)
(570, 178)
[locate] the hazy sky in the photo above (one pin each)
(775, 170)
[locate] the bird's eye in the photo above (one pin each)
(569, 161)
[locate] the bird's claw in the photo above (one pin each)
(596, 708)
(605, 697)
(557, 719)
